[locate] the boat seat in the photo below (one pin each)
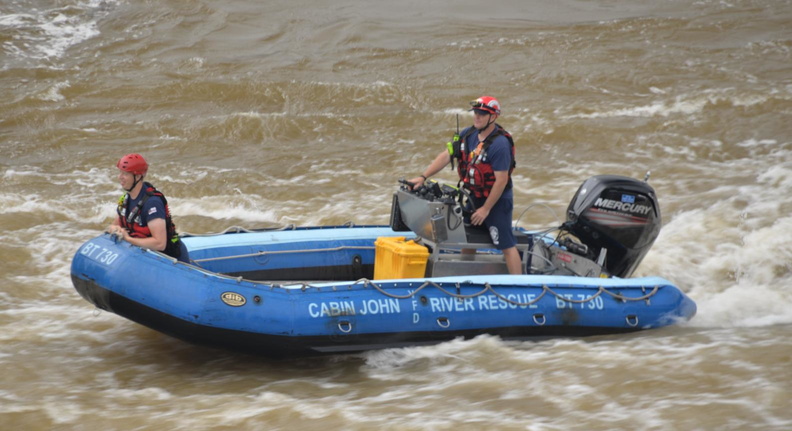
(478, 238)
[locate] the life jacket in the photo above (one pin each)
(474, 174)
(128, 218)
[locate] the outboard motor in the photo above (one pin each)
(617, 218)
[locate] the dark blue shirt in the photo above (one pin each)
(154, 208)
(498, 155)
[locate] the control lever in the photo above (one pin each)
(404, 182)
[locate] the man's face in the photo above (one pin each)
(126, 179)
(481, 118)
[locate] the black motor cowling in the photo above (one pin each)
(619, 214)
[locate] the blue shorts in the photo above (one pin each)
(499, 223)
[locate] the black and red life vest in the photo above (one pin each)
(475, 174)
(128, 219)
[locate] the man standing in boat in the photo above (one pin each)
(144, 218)
(485, 160)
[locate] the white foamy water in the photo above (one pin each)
(46, 33)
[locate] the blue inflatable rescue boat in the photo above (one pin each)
(313, 290)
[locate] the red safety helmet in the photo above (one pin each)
(486, 104)
(134, 163)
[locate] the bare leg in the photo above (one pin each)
(513, 261)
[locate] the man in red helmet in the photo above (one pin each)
(144, 218)
(485, 156)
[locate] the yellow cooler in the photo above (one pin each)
(397, 258)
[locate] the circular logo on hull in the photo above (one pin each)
(233, 299)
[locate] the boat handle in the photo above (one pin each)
(345, 326)
(632, 320)
(539, 319)
(444, 322)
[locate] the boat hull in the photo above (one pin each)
(202, 304)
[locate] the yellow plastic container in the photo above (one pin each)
(397, 258)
